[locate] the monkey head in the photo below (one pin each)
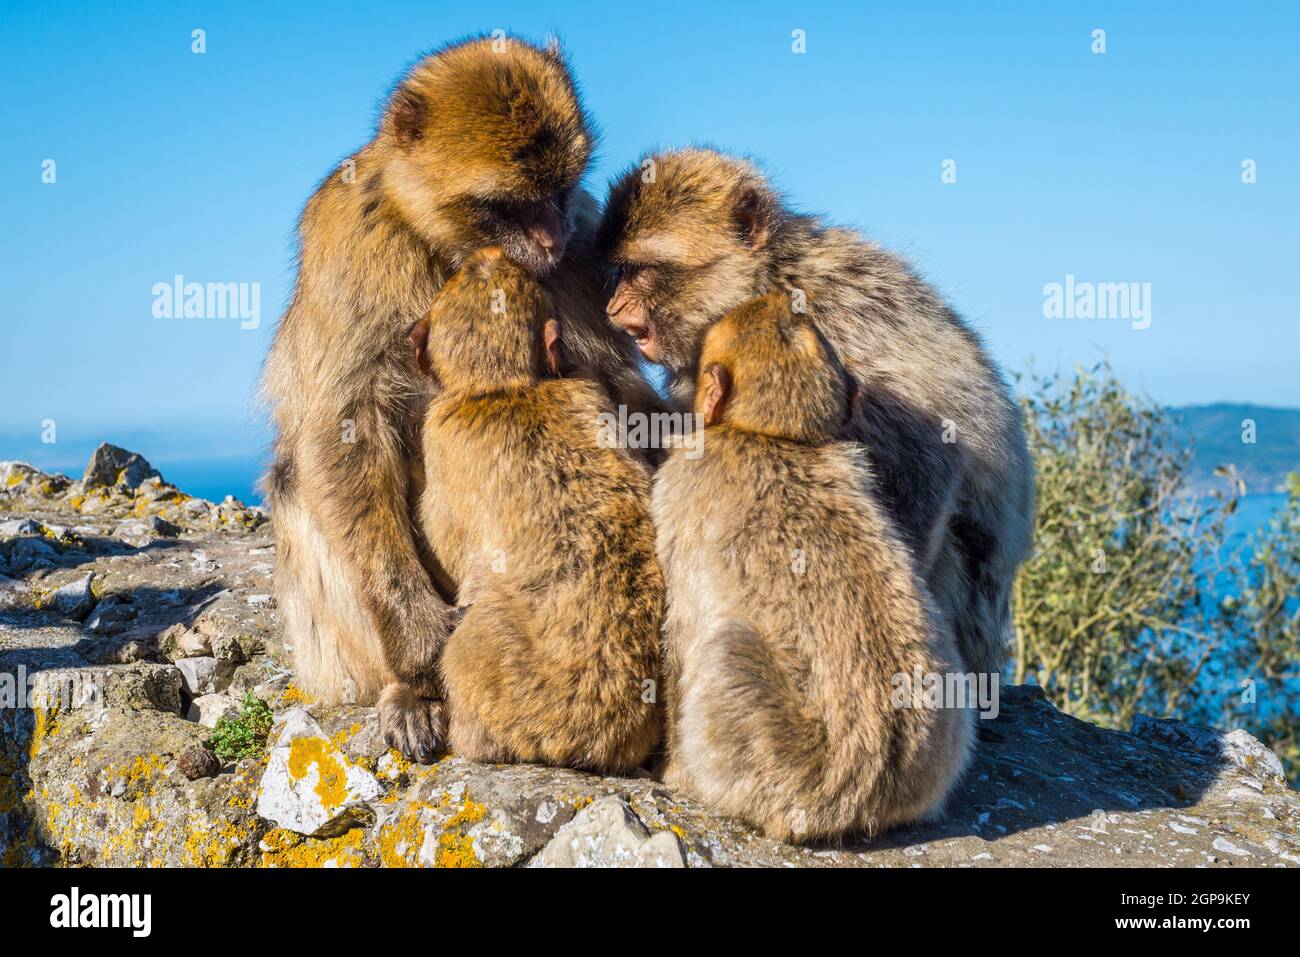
(764, 369)
(486, 142)
(689, 235)
(491, 328)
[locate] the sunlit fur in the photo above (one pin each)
(476, 147)
(547, 536)
(792, 604)
(697, 233)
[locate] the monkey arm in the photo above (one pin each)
(361, 491)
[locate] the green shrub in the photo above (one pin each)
(1118, 612)
(244, 736)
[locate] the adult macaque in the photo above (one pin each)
(697, 233)
(481, 144)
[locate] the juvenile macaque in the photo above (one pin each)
(795, 614)
(483, 143)
(705, 233)
(545, 532)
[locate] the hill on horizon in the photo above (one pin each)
(1219, 433)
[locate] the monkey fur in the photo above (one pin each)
(696, 233)
(482, 143)
(793, 603)
(546, 532)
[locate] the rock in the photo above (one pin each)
(1240, 747)
(14, 594)
(113, 466)
(178, 641)
(197, 762)
(608, 834)
(310, 786)
(106, 789)
(1253, 756)
(143, 686)
(73, 600)
(110, 617)
(206, 675)
(208, 709)
(17, 527)
(138, 532)
(198, 675)
(28, 553)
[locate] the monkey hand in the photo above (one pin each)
(413, 724)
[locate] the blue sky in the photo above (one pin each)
(1122, 167)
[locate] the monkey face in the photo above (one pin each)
(490, 142)
(765, 370)
(491, 328)
(687, 234)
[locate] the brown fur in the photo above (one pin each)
(792, 603)
(709, 234)
(547, 534)
(476, 147)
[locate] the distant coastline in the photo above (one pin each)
(216, 460)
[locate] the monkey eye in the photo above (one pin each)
(631, 272)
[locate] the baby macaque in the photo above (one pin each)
(545, 532)
(796, 618)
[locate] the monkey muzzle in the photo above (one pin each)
(626, 310)
(544, 237)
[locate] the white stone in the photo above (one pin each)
(75, 599)
(1252, 755)
(208, 709)
(311, 787)
(1225, 845)
(199, 676)
(607, 833)
(19, 526)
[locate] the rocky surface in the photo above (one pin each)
(134, 618)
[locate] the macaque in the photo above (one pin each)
(483, 143)
(545, 531)
(695, 234)
(796, 618)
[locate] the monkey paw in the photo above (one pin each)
(414, 725)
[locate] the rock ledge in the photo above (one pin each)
(134, 617)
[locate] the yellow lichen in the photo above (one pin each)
(292, 694)
(216, 846)
(332, 785)
(44, 727)
(283, 848)
(399, 840)
(456, 850)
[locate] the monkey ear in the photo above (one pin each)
(716, 389)
(552, 48)
(408, 112)
(551, 342)
(419, 336)
(752, 217)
